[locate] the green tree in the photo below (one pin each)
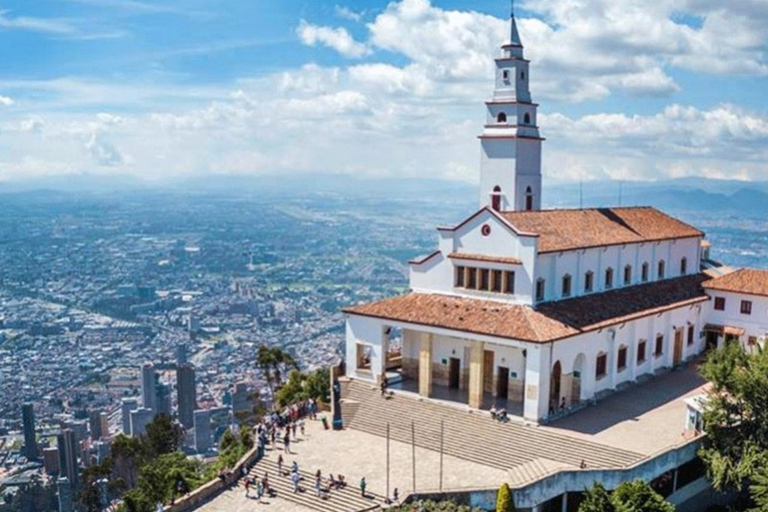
(273, 362)
(736, 422)
(128, 455)
(638, 496)
(34, 496)
(504, 501)
(301, 386)
(163, 435)
(597, 499)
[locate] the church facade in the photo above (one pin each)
(541, 311)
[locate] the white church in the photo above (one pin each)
(541, 311)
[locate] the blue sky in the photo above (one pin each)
(629, 89)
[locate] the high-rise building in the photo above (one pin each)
(94, 424)
(104, 421)
(163, 398)
(66, 502)
(51, 460)
(68, 449)
(128, 405)
(80, 429)
(181, 354)
(149, 387)
(30, 441)
(202, 420)
(140, 418)
(187, 394)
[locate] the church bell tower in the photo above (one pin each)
(510, 166)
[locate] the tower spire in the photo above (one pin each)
(514, 35)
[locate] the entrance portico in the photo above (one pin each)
(456, 366)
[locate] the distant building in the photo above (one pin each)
(104, 420)
(128, 405)
(163, 398)
(149, 387)
(140, 418)
(79, 428)
(64, 487)
(94, 424)
(202, 421)
(187, 394)
(68, 456)
(181, 354)
(30, 441)
(51, 461)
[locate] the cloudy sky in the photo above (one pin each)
(629, 89)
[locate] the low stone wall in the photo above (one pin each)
(210, 490)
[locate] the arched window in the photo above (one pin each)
(496, 199)
(662, 268)
(609, 277)
(527, 118)
(528, 199)
(683, 266)
(501, 118)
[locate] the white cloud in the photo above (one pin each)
(5, 101)
(347, 13)
(337, 38)
(102, 152)
(52, 26)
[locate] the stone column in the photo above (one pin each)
(425, 364)
(476, 377)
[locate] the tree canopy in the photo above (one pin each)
(631, 496)
(736, 422)
(302, 386)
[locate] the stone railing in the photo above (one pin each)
(210, 490)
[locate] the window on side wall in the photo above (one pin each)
(622, 359)
(472, 278)
(691, 335)
(662, 269)
(460, 271)
(589, 279)
(567, 285)
(540, 290)
(627, 275)
(683, 266)
(509, 282)
(746, 307)
(720, 303)
(641, 352)
(659, 350)
(608, 278)
(496, 281)
(601, 368)
(644, 273)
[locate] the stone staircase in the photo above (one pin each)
(347, 499)
(474, 436)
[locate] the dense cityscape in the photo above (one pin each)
(96, 287)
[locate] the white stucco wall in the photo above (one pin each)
(755, 324)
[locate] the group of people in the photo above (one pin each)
(499, 414)
(285, 425)
(260, 485)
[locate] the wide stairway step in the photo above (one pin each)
(346, 499)
(473, 436)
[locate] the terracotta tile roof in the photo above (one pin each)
(562, 230)
(549, 322)
(746, 280)
(482, 257)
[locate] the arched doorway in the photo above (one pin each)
(554, 386)
(579, 371)
(496, 199)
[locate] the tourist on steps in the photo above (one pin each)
(384, 384)
(280, 465)
(362, 487)
(318, 479)
(287, 440)
(295, 481)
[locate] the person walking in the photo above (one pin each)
(280, 465)
(295, 481)
(302, 425)
(362, 487)
(259, 491)
(318, 479)
(287, 440)
(247, 487)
